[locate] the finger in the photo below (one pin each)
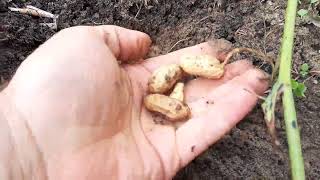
(213, 48)
(200, 87)
(231, 104)
(125, 44)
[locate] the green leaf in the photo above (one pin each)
(313, 1)
(304, 67)
(304, 70)
(294, 84)
(303, 73)
(298, 88)
(302, 12)
(301, 90)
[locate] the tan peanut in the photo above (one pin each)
(178, 92)
(202, 65)
(172, 108)
(164, 78)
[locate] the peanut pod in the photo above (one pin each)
(177, 92)
(173, 109)
(202, 65)
(164, 78)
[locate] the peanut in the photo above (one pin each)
(172, 108)
(177, 92)
(202, 65)
(164, 78)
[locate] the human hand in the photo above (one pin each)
(82, 114)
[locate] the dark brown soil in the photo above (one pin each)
(246, 152)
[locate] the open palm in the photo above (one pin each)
(84, 111)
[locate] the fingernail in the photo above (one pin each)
(221, 55)
(221, 44)
(263, 76)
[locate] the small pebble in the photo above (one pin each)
(96, 15)
(315, 81)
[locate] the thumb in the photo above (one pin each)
(125, 44)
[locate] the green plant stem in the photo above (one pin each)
(292, 129)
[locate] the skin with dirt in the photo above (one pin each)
(246, 152)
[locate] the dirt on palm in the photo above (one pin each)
(244, 153)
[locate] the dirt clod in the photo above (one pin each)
(192, 148)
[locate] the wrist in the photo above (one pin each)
(20, 157)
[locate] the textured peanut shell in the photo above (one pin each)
(202, 65)
(177, 92)
(164, 78)
(173, 109)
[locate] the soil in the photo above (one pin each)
(246, 152)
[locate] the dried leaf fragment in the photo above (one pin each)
(31, 10)
(172, 108)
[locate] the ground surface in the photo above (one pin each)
(246, 152)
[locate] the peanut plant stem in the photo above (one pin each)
(292, 129)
